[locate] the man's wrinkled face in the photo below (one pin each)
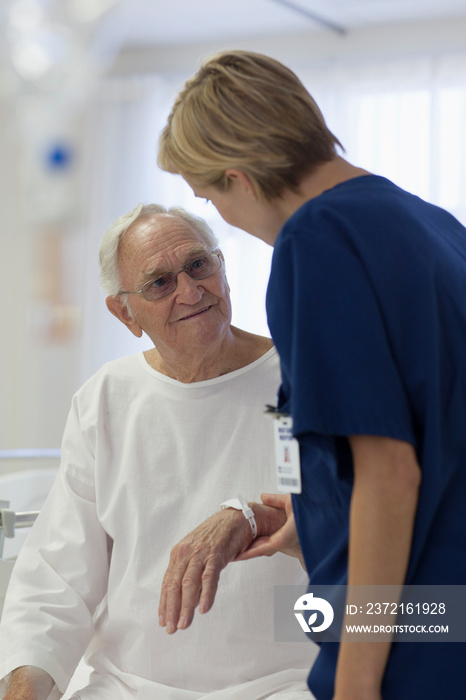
(198, 312)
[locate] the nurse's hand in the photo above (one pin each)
(193, 572)
(283, 540)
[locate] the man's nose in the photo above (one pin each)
(188, 290)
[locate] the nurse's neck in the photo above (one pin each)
(323, 177)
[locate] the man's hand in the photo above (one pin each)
(196, 562)
(29, 683)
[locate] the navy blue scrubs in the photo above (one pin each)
(367, 307)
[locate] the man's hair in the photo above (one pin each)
(110, 278)
(247, 111)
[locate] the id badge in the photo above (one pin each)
(286, 456)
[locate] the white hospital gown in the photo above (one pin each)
(145, 459)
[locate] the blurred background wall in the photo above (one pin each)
(85, 88)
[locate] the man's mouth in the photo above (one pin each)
(196, 313)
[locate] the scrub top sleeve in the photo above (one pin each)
(339, 364)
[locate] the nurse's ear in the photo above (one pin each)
(118, 308)
(239, 178)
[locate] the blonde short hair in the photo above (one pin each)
(247, 111)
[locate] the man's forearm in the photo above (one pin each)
(29, 683)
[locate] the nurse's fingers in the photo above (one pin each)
(276, 500)
(259, 548)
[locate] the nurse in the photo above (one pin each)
(366, 305)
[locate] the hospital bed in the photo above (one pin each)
(22, 494)
(10, 522)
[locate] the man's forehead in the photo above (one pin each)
(158, 237)
(163, 228)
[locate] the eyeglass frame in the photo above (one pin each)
(217, 252)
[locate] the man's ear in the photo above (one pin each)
(222, 258)
(240, 178)
(118, 308)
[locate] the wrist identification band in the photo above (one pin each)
(239, 503)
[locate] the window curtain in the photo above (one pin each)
(401, 118)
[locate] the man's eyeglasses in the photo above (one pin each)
(162, 285)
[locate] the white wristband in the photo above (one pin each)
(240, 504)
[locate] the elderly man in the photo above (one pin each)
(154, 443)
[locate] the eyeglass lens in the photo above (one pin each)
(197, 269)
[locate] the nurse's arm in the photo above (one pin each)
(387, 478)
(29, 683)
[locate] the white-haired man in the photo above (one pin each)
(154, 443)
